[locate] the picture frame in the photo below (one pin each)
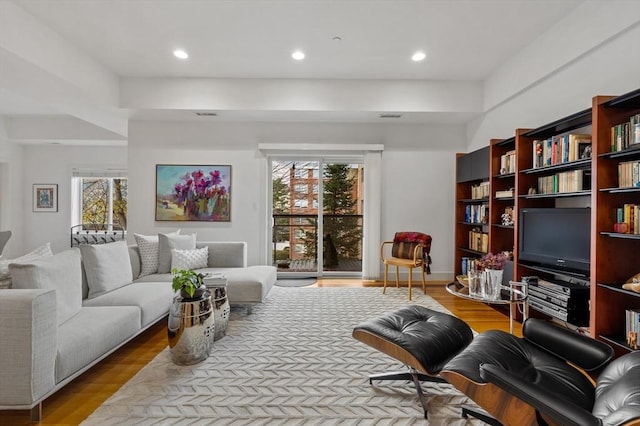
(45, 197)
(193, 193)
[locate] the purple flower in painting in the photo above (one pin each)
(201, 195)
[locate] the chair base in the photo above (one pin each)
(410, 375)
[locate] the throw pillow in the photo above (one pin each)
(107, 267)
(61, 272)
(168, 242)
(190, 259)
(148, 248)
(5, 277)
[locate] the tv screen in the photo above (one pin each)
(555, 238)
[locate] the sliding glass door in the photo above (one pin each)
(317, 216)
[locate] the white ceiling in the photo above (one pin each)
(465, 41)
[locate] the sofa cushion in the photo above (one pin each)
(167, 242)
(61, 272)
(189, 259)
(153, 299)
(5, 276)
(247, 285)
(107, 267)
(148, 249)
(90, 334)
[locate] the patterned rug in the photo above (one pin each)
(292, 362)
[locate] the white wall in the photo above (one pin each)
(610, 68)
(417, 183)
(53, 164)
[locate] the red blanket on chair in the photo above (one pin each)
(404, 244)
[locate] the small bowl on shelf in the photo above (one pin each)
(463, 279)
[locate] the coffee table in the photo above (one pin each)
(515, 295)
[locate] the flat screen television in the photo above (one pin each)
(555, 238)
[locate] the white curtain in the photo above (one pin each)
(372, 219)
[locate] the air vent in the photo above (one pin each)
(206, 114)
(390, 115)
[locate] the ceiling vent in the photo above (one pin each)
(206, 114)
(390, 115)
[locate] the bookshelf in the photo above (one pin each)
(472, 172)
(615, 256)
(502, 171)
(552, 182)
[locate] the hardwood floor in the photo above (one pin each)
(76, 401)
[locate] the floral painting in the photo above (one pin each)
(193, 193)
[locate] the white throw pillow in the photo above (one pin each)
(5, 277)
(61, 272)
(148, 248)
(190, 259)
(107, 267)
(169, 242)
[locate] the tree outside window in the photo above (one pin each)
(103, 203)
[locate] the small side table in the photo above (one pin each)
(190, 329)
(516, 294)
(217, 286)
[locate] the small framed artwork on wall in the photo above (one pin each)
(193, 193)
(45, 197)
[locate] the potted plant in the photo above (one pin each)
(189, 282)
(493, 265)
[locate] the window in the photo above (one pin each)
(301, 188)
(299, 248)
(314, 188)
(98, 202)
(300, 173)
(301, 203)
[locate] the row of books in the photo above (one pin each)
(571, 181)
(508, 162)
(629, 174)
(480, 191)
(468, 264)
(476, 213)
(478, 241)
(625, 135)
(632, 327)
(628, 214)
(561, 149)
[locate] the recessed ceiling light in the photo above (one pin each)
(180, 54)
(390, 115)
(418, 56)
(298, 55)
(337, 38)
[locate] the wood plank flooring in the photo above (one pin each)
(76, 401)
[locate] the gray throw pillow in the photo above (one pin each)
(167, 242)
(61, 272)
(107, 267)
(148, 249)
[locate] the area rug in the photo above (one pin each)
(292, 362)
(295, 282)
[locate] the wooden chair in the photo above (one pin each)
(408, 250)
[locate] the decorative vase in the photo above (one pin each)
(492, 283)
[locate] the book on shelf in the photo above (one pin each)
(625, 135)
(478, 241)
(508, 162)
(561, 149)
(480, 191)
(632, 328)
(570, 181)
(628, 214)
(507, 193)
(476, 213)
(629, 174)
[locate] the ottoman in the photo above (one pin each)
(422, 339)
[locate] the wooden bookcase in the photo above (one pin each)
(471, 170)
(501, 236)
(615, 257)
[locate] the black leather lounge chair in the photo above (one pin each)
(537, 380)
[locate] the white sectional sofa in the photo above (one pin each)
(54, 332)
